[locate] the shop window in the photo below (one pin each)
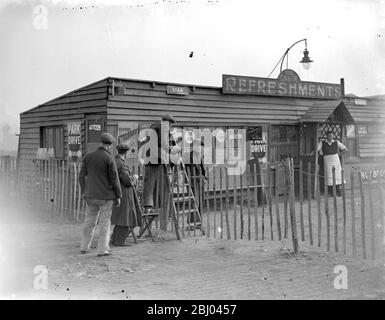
(284, 143)
(53, 137)
(219, 139)
(362, 130)
(351, 141)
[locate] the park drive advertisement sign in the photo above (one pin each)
(74, 140)
(288, 84)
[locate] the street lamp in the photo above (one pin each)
(305, 59)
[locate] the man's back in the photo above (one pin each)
(102, 178)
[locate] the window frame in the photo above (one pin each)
(275, 146)
(46, 140)
(356, 139)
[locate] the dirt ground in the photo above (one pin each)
(195, 268)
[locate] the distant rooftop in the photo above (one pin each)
(377, 96)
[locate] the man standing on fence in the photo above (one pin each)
(329, 150)
(100, 186)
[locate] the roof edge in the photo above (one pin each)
(63, 95)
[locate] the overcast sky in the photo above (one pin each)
(79, 44)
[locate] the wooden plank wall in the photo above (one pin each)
(371, 145)
(141, 101)
(57, 112)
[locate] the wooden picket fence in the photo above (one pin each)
(51, 186)
(276, 202)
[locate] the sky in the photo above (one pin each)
(49, 48)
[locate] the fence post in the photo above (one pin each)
(235, 206)
(326, 195)
(301, 199)
(343, 201)
(208, 203)
(318, 196)
(362, 215)
(382, 220)
(285, 187)
(227, 203)
(277, 201)
(353, 207)
(215, 202)
(371, 216)
(221, 198)
(248, 201)
(309, 201)
(242, 222)
(292, 208)
(335, 210)
(189, 222)
(255, 200)
(269, 183)
(178, 172)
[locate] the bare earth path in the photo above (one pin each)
(196, 268)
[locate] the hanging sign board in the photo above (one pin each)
(288, 84)
(74, 140)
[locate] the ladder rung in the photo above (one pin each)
(184, 199)
(187, 211)
(197, 224)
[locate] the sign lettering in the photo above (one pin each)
(177, 90)
(372, 175)
(74, 140)
(287, 84)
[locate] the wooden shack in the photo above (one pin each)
(287, 122)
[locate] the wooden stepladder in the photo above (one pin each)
(184, 203)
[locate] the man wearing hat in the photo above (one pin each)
(329, 150)
(100, 187)
(128, 215)
(156, 173)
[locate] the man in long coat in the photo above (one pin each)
(128, 215)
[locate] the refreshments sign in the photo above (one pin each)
(288, 84)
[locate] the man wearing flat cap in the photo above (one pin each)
(128, 215)
(156, 173)
(100, 187)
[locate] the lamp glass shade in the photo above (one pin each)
(306, 59)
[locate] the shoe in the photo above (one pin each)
(83, 251)
(108, 253)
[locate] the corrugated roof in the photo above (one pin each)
(320, 111)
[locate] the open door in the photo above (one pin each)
(95, 125)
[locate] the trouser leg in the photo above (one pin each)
(150, 177)
(92, 210)
(104, 226)
(166, 204)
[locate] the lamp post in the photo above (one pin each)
(305, 59)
